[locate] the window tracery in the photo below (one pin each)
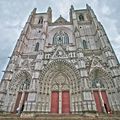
(25, 85)
(96, 82)
(60, 38)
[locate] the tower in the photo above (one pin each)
(62, 66)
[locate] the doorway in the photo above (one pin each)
(57, 105)
(98, 100)
(20, 97)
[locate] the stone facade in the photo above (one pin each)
(62, 66)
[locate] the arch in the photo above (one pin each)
(85, 44)
(59, 62)
(67, 70)
(58, 76)
(96, 80)
(67, 30)
(98, 75)
(37, 46)
(21, 81)
(66, 39)
(40, 20)
(60, 38)
(102, 85)
(81, 17)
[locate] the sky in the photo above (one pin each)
(14, 14)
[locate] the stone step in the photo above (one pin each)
(54, 118)
(6, 116)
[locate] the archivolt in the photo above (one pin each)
(19, 78)
(56, 68)
(60, 65)
(104, 77)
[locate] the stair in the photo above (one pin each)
(8, 116)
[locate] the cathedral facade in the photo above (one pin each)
(62, 67)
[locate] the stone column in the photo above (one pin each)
(82, 68)
(60, 102)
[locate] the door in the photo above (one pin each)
(17, 101)
(25, 97)
(19, 98)
(65, 102)
(54, 102)
(24, 100)
(97, 101)
(106, 102)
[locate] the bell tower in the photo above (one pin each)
(62, 67)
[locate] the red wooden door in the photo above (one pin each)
(17, 101)
(65, 102)
(54, 102)
(25, 97)
(19, 98)
(97, 100)
(105, 99)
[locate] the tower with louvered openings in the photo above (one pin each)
(62, 67)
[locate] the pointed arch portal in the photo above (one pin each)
(59, 82)
(60, 98)
(20, 86)
(100, 83)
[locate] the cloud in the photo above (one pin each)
(106, 10)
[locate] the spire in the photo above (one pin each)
(49, 9)
(76, 29)
(72, 8)
(88, 7)
(49, 12)
(71, 12)
(34, 11)
(91, 11)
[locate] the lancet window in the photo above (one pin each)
(60, 38)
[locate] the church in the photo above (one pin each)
(62, 67)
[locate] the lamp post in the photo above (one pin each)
(100, 95)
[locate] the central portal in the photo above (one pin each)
(60, 102)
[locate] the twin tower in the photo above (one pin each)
(62, 67)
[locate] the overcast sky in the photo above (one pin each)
(14, 13)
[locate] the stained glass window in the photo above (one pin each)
(97, 80)
(95, 83)
(25, 85)
(60, 38)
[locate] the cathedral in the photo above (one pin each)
(62, 67)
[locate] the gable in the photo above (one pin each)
(59, 53)
(61, 20)
(96, 64)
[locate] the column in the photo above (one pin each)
(60, 102)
